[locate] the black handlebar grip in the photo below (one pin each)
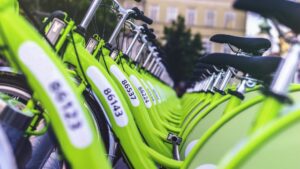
(150, 38)
(148, 32)
(146, 19)
(153, 36)
(139, 15)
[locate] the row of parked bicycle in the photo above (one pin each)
(70, 103)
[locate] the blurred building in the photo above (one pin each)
(207, 17)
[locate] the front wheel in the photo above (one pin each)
(40, 151)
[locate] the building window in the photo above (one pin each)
(191, 17)
(229, 20)
(172, 14)
(210, 17)
(154, 12)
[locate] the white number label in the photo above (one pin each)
(126, 85)
(59, 92)
(149, 91)
(111, 97)
(142, 91)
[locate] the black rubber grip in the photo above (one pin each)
(151, 30)
(151, 36)
(146, 19)
(139, 15)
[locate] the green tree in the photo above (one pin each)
(182, 50)
(103, 22)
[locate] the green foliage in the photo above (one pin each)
(182, 50)
(103, 23)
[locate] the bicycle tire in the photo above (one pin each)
(41, 146)
(44, 148)
(6, 152)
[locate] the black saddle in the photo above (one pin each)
(255, 46)
(261, 68)
(286, 12)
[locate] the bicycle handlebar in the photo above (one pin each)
(139, 15)
(149, 32)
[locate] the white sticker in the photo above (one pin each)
(190, 146)
(149, 92)
(155, 92)
(142, 90)
(110, 95)
(125, 84)
(207, 166)
(58, 90)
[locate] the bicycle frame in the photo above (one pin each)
(122, 77)
(55, 90)
(107, 92)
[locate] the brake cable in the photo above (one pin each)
(78, 60)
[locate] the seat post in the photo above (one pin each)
(226, 79)
(200, 86)
(218, 79)
(211, 86)
(89, 14)
(286, 71)
(205, 84)
(242, 87)
(209, 82)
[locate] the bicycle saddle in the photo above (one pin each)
(255, 46)
(286, 12)
(258, 67)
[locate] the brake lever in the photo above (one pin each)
(130, 24)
